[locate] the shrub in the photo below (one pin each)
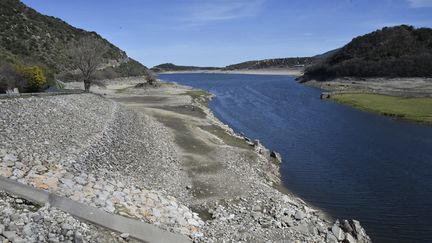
(34, 78)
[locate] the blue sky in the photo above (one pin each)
(222, 32)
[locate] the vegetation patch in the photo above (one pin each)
(414, 109)
(195, 94)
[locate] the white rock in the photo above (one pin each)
(338, 232)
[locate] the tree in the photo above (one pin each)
(8, 77)
(87, 57)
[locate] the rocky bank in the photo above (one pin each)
(156, 155)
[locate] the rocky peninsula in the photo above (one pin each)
(154, 154)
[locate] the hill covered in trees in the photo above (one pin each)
(170, 67)
(272, 63)
(30, 38)
(289, 62)
(400, 51)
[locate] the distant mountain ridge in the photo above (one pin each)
(28, 37)
(275, 63)
(272, 63)
(400, 51)
(170, 67)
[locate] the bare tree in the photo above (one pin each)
(9, 78)
(87, 57)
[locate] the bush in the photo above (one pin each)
(34, 78)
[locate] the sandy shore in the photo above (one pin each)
(275, 71)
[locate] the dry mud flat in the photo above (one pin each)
(157, 155)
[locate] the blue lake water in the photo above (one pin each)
(349, 163)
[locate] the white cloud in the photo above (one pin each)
(204, 12)
(420, 3)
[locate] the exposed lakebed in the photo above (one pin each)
(350, 163)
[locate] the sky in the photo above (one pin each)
(223, 32)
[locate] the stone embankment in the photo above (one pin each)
(92, 150)
(22, 222)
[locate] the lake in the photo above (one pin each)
(349, 163)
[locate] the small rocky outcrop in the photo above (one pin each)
(276, 156)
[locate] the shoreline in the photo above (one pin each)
(289, 72)
(201, 101)
(408, 99)
(201, 179)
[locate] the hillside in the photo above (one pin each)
(28, 37)
(169, 67)
(278, 63)
(401, 51)
(272, 63)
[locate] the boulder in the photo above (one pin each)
(346, 226)
(330, 238)
(299, 215)
(349, 239)
(338, 232)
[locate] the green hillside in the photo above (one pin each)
(272, 63)
(30, 38)
(169, 67)
(401, 51)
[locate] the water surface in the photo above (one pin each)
(350, 163)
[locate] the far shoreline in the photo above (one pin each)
(288, 72)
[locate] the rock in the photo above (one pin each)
(277, 156)
(66, 226)
(103, 196)
(78, 238)
(80, 180)
(330, 238)
(19, 165)
(3, 152)
(68, 182)
(2, 228)
(5, 171)
(124, 236)
(53, 240)
(9, 158)
(27, 230)
(287, 220)
(156, 212)
(349, 238)
(346, 226)
(299, 215)
(256, 208)
(19, 240)
(359, 232)
(302, 228)
(12, 226)
(193, 222)
(10, 235)
(338, 232)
